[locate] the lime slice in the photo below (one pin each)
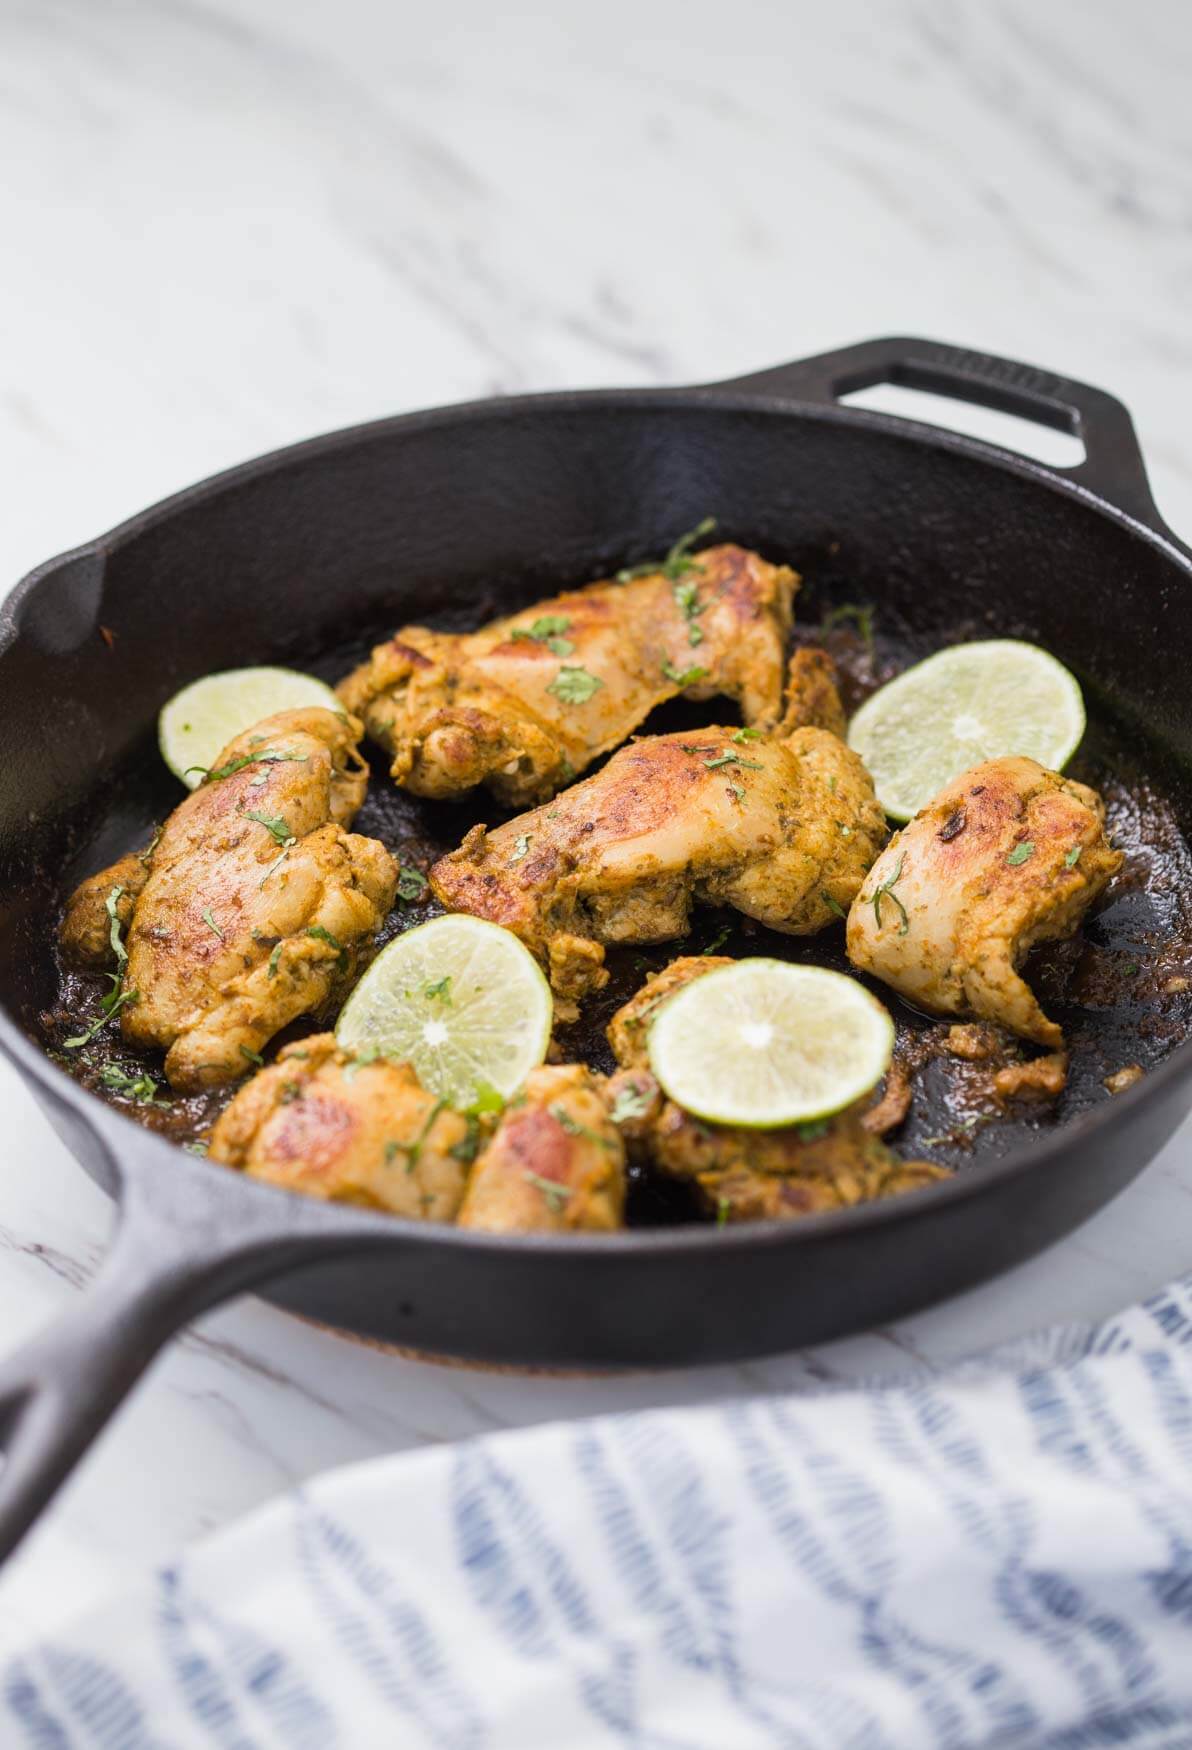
(971, 703)
(458, 998)
(765, 1043)
(197, 724)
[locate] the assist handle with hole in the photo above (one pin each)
(1112, 468)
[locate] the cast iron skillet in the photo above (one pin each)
(283, 557)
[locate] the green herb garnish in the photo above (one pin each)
(685, 677)
(290, 1091)
(468, 1147)
(574, 685)
(813, 1129)
(737, 792)
(1073, 857)
(116, 999)
(748, 735)
(322, 935)
(142, 1088)
(441, 990)
(252, 1056)
(411, 883)
(548, 630)
(723, 1206)
(556, 1195)
(687, 601)
(677, 561)
(573, 1127)
(195, 1148)
(211, 923)
(631, 1102)
(273, 824)
(734, 759)
(109, 905)
(887, 890)
(851, 613)
(360, 1060)
(717, 941)
(274, 958)
(270, 758)
(833, 905)
(521, 846)
(1021, 853)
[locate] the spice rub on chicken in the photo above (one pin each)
(252, 907)
(783, 828)
(1007, 856)
(525, 704)
(743, 1174)
(326, 1123)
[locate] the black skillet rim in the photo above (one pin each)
(99, 1119)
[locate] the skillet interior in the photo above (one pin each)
(458, 515)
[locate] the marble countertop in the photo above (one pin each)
(229, 224)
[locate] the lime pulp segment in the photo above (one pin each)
(765, 1043)
(458, 998)
(197, 724)
(960, 707)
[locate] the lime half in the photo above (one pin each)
(972, 703)
(764, 1043)
(458, 998)
(198, 723)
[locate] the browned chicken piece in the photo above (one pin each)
(253, 907)
(320, 1122)
(739, 1174)
(556, 1163)
(812, 693)
(100, 902)
(1005, 857)
(782, 829)
(526, 703)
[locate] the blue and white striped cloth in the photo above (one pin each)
(999, 1556)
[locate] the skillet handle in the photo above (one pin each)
(1112, 468)
(166, 1265)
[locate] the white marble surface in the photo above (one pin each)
(228, 224)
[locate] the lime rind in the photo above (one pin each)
(488, 1025)
(195, 726)
(763, 1044)
(974, 702)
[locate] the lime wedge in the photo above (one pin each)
(972, 703)
(765, 1043)
(458, 998)
(197, 724)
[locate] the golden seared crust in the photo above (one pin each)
(86, 933)
(556, 1163)
(497, 706)
(812, 693)
(742, 1174)
(319, 1122)
(255, 905)
(784, 830)
(1007, 856)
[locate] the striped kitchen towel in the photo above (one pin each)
(1000, 1555)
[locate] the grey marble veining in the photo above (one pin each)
(229, 225)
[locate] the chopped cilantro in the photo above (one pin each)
(273, 824)
(211, 923)
(631, 1102)
(574, 685)
(441, 991)
(252, 1056)
(555, 1195)
(1073, 857)
(886, 890)
(1021, 853)
(677, 561)
(411, 883)
(686, 677)
(521, 846)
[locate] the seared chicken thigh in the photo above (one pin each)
(739, 1174)
(1005, 857)
(782, 829)
(525, 704)
(325, 1123)
(319, 1122)
(252, 907)
(556, 1163)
